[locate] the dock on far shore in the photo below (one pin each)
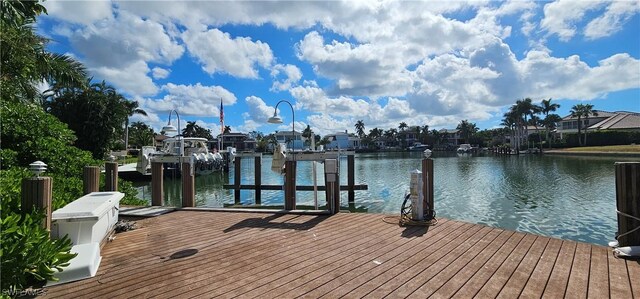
(205, 254)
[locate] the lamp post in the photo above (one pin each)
(290, 165)
(169, 128)
(275, 119)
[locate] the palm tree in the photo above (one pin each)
(437, 136)
(306, 133)
(548, 107)
(360, 128)
(24, 58)
(402, 126)
(579, 111)
(550, 122)
(510, 121)
(467, 129)
(190, 129)
(523, 109)
(132, 108)
(588, 110)
(536, 121)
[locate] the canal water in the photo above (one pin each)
(559, 196)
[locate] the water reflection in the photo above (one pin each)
(566, 197)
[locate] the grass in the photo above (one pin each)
(606, 149)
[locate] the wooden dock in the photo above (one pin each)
(246, 255)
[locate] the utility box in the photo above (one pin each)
(88, 219)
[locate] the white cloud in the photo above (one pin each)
(132, 78)
(218, 52)
(160, 73)
(292, 76)
(618, 13)
(192, 100)
(560, 17)
(259, 111)
(82, 12)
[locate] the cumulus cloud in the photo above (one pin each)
(560, 17)
(160, 73)
(132, 78)
(291, 74)
(259, 111)
(192, 100)
(218, 52)
(618, 13)
(81, 12)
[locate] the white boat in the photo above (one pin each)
(464, 148)
(204, 161)
(418, 147)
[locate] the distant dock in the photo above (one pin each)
(246, 255)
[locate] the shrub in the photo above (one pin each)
(28, 255)
(604, 137)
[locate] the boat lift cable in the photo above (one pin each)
(405, 216)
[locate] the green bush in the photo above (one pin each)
(604, 137)
(29, 256)
(29, 134)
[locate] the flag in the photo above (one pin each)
(221, 117)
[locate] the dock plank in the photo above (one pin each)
(579, 278)
(262, 255)
(560, 275)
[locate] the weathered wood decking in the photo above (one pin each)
(243, 255)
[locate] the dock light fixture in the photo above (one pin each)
(275, 119)
(37, 168)
(426, 153)
(169, 129)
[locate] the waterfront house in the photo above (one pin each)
(241, 141)
(342, 140)
(450, 137)
(286, 137)
(409, 136)
(605, 120)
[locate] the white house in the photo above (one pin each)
(286, 137)
(342, 140)
(619, 120)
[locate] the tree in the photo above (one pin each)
(579, 111)
(194, 130)
(306, 133)
(24, 58)
(548, 107)
(425, 133)
(536, 122)
(437, 136)
(132, 108)
(550, 122)
(360, 128)
(467, 129)
(141, 134)
(402, 126)
(510, 122)
(95, 114)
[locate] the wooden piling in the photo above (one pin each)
(236, 179)
(628, 202)
(188, 186)
(290, 185)
(258, 179)
(37, 195)
(111, 176)
(427, 187)
(157, 188)
(351, 180)
(91, 179)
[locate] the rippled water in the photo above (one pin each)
(566, 197)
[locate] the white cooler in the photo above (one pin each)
(87, 221)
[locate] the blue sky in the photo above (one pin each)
(383, 62)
